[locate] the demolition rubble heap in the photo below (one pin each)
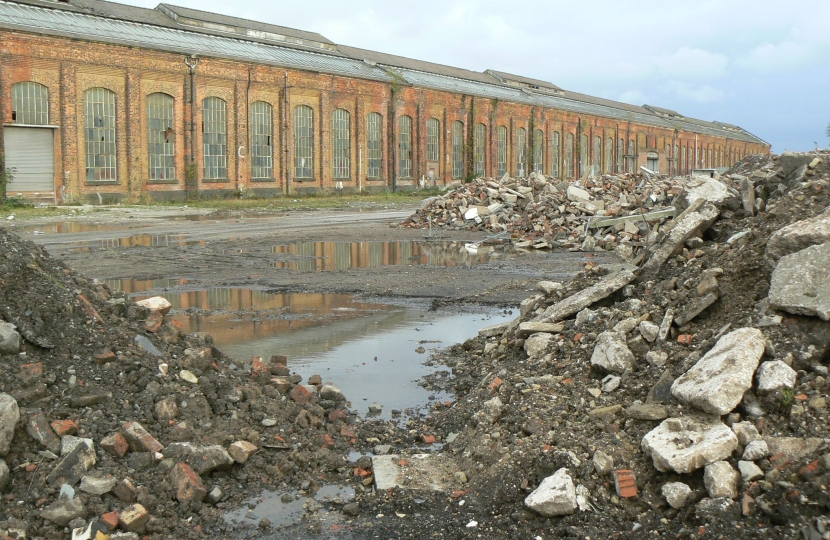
(111, 417)
(685, 396)
(595, 214)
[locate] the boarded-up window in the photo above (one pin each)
(597, 156)
(30, 104)
(161, 147)
(303, 142)
(632, 155)
(620, 154)
(341, 140)
(215, 138)
(262, 148)
(554, 155)
(375, 145)
(433, 140)
(583, 154)
(405, 146)
(569, 155)
(521, 152)
(538, 150)
(99, 124)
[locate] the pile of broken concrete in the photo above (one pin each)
(683, 395)
(113, 421)
(607, 213)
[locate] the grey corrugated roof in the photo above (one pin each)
(245, 23)
(78, 25)
(661, 110)
(525, 80)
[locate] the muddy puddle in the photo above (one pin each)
(372, 349)
(71, 227)
(335, 256)
(135, 240)
(283, 508)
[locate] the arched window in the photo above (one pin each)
(161, 147)
(341, 151)
(521, 152)
(375, 144)
(502, 151)
(538, 150)
(569, 155)
(583, 154)
(262, 148)
(215, 138)
(99, 123)
(480, 143)
(554, 155)
(620, 154)
(303, 142)
(597, 163)
(433, 140)
(609, 155)
(457, 149)
(30, 104)
(683, 160)
(632, 155)
(405, 146)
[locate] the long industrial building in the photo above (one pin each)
(105, 102)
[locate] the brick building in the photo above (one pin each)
(103, 101)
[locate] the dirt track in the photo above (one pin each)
(215, 250)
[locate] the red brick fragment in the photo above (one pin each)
(809, 470)
(110, 519)
(495, 383)
(30, 372)
(328, 442)
(347, 433)
(65, 427)
(300, 394)
(684, 339)
(428, 439)
(89, 309)
(116, 444)
(125, 490)
(336, 415)
(154, 322)
(625, 483)
(188, 484)
(104, 356)
(139, 439)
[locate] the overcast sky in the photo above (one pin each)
(761, 64)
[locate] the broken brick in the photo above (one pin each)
(495, 383)
(39, 429)
(116, 444)
(684, 339)
(104, 357)
(336, 415)
(154, 322)
(241, 451)
(300, 394)
(125, 490)
(110, 520)
(258, 366)
(89, 309)
(65, 427)
(139, 439)
(428, 439)
(188, 484)
(328, 442)
(134, 518)
(625, 483)
(30, 372)
(280, 359)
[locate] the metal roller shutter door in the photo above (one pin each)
(30, 152)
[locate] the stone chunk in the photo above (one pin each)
(166, 409)
(701, 187)
(134, 518)
(603, 463)
(797, 236)
(62, 511)
(140, 439)
(159, 304)
(750, 471)
(203, 459)
(125, 490)
(772, 376)
(721, 480)
(647, 411)
(494, 330)
(529, 328)
(686, 444)
(490, 411)
(39, 429)
(757, 449)
(549, 287)
(69, 442)
(5, 476)
(536, 345)
(746, 432)
(657, 358)
(188, 484)
(717, 382)
(97, 485)
(677, 494)
(685, 227)
(611, 353)
(578, 301)
(695, 308)
(332, 393)
(241, 451)
(555, 496)
(9, 338)
(801, 282)
(9, 416)
(649, 331)
(73, 467)
(115, 444)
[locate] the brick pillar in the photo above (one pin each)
(135, 176)
(73, 171)
(420, 142)
(4, 116)
(446, 142)
(243, 164)
(359, 149)
(323, 123)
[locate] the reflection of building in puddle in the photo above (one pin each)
(137, 240)
(132, 285)
(332, 256)
(241, 319)
(69, 227)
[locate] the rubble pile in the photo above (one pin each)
(609, 213)
(112, 419)
(684, 397)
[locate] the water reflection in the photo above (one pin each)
(69, 227)
(132, 285)
(333, 256)
(137, 240)
(284, 508)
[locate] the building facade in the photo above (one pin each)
(104, 102)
